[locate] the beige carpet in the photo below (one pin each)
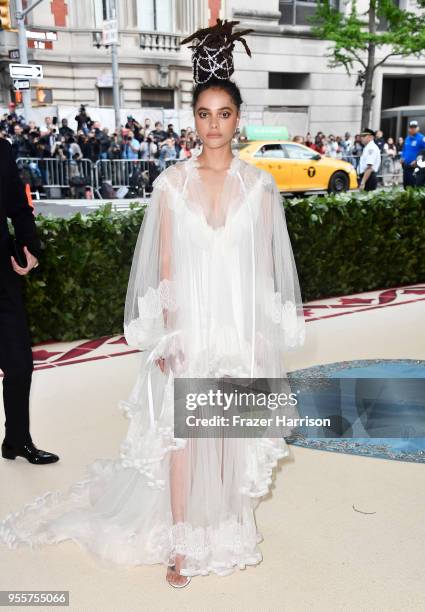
(341, 532)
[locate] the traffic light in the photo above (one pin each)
(17, 97)
(43, 95)
(5, 17)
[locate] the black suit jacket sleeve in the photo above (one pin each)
(16, 202)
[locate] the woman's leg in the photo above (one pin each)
(179, 492)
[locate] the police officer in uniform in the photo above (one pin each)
(16, 360)
(413, 144)
(370, 161)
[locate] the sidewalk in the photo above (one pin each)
(341, 532)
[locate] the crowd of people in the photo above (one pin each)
(93, 142)
(144, 141)
(349, 148)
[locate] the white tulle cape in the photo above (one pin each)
(215, 292)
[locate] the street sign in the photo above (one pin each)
(39, 44)
(110, 32)
(39, 35)
(19, 84)
(14, 54)
(26, 71)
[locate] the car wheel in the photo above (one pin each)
(338, 183)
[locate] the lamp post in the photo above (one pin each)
(23, 49)
(111, 12)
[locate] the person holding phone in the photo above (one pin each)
(18, 256)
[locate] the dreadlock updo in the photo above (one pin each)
(212, 59)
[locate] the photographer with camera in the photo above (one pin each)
(130, 147)
(167, 152)
(135, 127)
(84, 122)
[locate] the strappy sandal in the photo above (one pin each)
(177, 586)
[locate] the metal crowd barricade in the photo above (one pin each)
(59, 178)
(118, 172)
(136, 174)
(390, 171)
(70, 178)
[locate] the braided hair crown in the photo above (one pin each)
(212, 53)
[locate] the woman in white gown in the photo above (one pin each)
(213, 292)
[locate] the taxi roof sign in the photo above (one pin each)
(265, 132)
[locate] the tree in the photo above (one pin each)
(359, 37)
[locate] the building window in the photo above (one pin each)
(155, 15)
(289, 80)
(157, 98)
(382, 21)
(297, 12)
(106, 96)
(396, 91)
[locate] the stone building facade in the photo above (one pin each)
(287, 80)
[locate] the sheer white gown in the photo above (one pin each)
(216, 293)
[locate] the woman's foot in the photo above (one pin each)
(174, 578)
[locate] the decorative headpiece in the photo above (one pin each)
(212, 54)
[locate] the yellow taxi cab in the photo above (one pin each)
(297, 168)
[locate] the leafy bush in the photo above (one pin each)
(343, 244)
(79, 289)
(354, 242)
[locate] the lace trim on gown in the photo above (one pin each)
(285, 315)
(57, 516)
(149, 327)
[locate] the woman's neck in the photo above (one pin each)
(216, 159)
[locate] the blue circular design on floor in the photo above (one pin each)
(401, 449)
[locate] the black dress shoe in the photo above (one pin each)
(29, 452)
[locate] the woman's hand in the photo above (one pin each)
(161, 363)
(164, 363)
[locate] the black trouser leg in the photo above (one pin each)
(371, 183)
(408, 176)
(16, 361)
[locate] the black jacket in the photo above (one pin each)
(14, 204)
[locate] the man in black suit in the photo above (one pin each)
(16, 360)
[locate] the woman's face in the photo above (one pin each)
(216, 118)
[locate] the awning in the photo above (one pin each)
(265, 132)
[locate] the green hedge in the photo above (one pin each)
(79, 289)
(356, 242)
(343, 244)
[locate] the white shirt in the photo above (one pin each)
(370, 155)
